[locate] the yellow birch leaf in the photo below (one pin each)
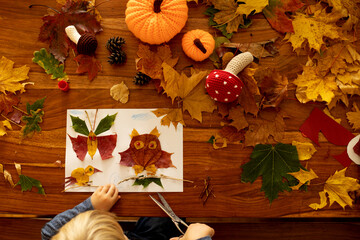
(11, 77)
(120, 92)
(311, 30)
(92, 143)
(3, 125)
(251, 5)
(197, 102)
(327, 112)
(323, 201)
(304, 177)
(311, 87)
(305, 150)
(8, 178)
(354, 117)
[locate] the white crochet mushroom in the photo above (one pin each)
(85, 43)
(224, 85)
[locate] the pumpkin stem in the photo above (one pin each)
(199, 45)
(157, 5)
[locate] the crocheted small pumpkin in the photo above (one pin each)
(198, 44)
(156, 21)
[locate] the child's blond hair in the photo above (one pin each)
(93, 225)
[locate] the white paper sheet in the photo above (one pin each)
(144, 121)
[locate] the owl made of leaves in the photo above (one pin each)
(145, 153)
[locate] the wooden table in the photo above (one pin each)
(19, 31)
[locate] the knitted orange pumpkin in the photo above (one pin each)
(156, 21)
(198, 44)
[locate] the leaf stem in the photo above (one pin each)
(161, 176)
(78, 187)
(41, 5)
(11, 121)
(87, 115)
(20, 110)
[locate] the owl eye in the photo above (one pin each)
(152, 145)
(139, 144)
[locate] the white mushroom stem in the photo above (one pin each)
(239, 62)
(72, 33)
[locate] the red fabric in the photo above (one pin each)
(223, 86)
(106, 146)
(334, 132)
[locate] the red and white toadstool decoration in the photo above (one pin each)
(85, 43)
(224, 85)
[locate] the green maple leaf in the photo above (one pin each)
(272, 163)
(50, 64)
(105, 124)
(79, 125)
(146, 182)
(34, 117)
(27, 183)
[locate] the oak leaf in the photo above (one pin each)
(150, 63)
(7, 102)
(337, 188)
(77, 13)
(303, 177)
(88, 64)
(11, 77)
(310, 30)
(354, 117)
(33, 119)
(3, 125)
(120, 92)
(305, 150)
(273, 163)
(50, 64)
(275, 13)
(172, 115)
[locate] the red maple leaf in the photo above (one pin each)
(72, 13)
(88, 64)
(6, 103)
(275, 14)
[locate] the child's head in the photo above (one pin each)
(93, 224)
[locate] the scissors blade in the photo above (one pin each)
(162, 207)
(171, 213)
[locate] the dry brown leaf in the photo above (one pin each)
(232, 134)
(237, 115)
(150, 62)
(266, 124)
(354, 117)
(258, 49)
(120, 92)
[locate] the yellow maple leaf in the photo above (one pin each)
(311, 30)
(354, 117)
(303, 177)
(337, 187)
(3, 125)
(172, 115)
(120, 92)
(198, 101)
(11, 77)
(305, 150)
(250, 6)
(150, 62)
(312, 87)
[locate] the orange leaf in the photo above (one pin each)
(88, 64)
(232, 134)
(238, 117)
(6, 103)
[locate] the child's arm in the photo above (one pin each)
(102, 199)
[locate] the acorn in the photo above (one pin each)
(85, 43)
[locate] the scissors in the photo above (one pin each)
(167, 209)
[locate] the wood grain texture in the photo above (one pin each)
(19, 29)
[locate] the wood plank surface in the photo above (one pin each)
(19, 29)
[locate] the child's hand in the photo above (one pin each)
(105, 197)
(196, 231)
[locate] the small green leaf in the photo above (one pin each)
(50, 64)
(105, 124)
(272, 163)
(79, 125)
(146, 182)
(27, 183)
(38, 104)
(211, 140)
(32, 123)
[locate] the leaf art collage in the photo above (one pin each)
(141, 150)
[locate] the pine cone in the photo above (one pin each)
(114, 44)
(141, 79)
(117, 57)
